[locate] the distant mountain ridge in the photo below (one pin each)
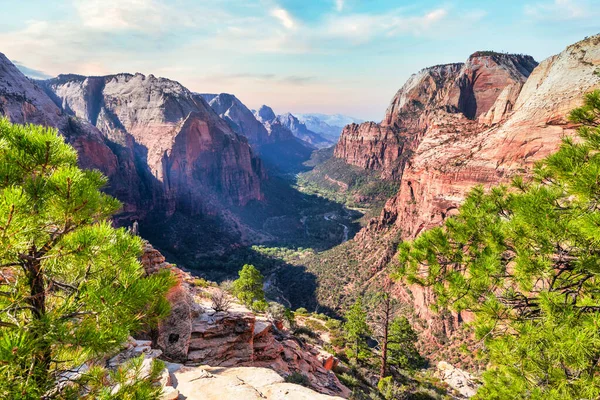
(329, 126)
(275, 143)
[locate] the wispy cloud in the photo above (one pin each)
(284, 18)
(128, 15)
(339, 5)
(263, 77)
(364, 27)
(561, 10)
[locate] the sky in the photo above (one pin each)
(328, 56)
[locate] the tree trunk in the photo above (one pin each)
(384, 345)
(37, 301)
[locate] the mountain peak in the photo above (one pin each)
(265, 113)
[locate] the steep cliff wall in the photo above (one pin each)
(483, 90)
(193, 156)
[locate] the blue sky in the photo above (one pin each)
(330, 56)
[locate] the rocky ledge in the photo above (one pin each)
(195, 335)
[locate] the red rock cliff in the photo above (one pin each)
(485, 87)
(191, 156)
(511, 128)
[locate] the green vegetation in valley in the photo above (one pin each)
(334, 179)
(71, 287)
(525, 259)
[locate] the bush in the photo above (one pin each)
(298, 379)
(226, 286)
(389, 389)
(276, 311)
(260, 306)
(220, 301)
(301, 311)
(201, 282)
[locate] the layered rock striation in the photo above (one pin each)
(191, 156)
(195, 334)
(480, 91)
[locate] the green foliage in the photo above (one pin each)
(248, 288)
(301, 311)
(356, 331)
(402, 352)
(315, 325)
(259, 306)
(388, 388)
(202, 283)
(71, 286)
(298, 379)
(526, 260)
(131, 380)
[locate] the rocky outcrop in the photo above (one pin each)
(240, 338)
(461, 381)
(247, 383)
(452, 97)
(195, 334)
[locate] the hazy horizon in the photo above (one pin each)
(333, 56)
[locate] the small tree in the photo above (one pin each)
(357, 330)
(71, 285)
(402, 352)
(248, 288)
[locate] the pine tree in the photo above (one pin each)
(526, 260)
(248, 288)
(402, 350)
(357, 331)
(71, 286)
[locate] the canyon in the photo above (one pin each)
(205, 176)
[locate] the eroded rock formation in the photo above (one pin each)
(193, 157)
(274, 142)
(452, 97)
(477, 123)
(195, 334)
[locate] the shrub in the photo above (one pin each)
(298, 379)
(260, 306)
(220, 301)
(276, 311)
(301, 311)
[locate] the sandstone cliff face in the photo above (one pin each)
(455, 153)
(192, 157)
(22, 101)
(448, 96)
(275, 143)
